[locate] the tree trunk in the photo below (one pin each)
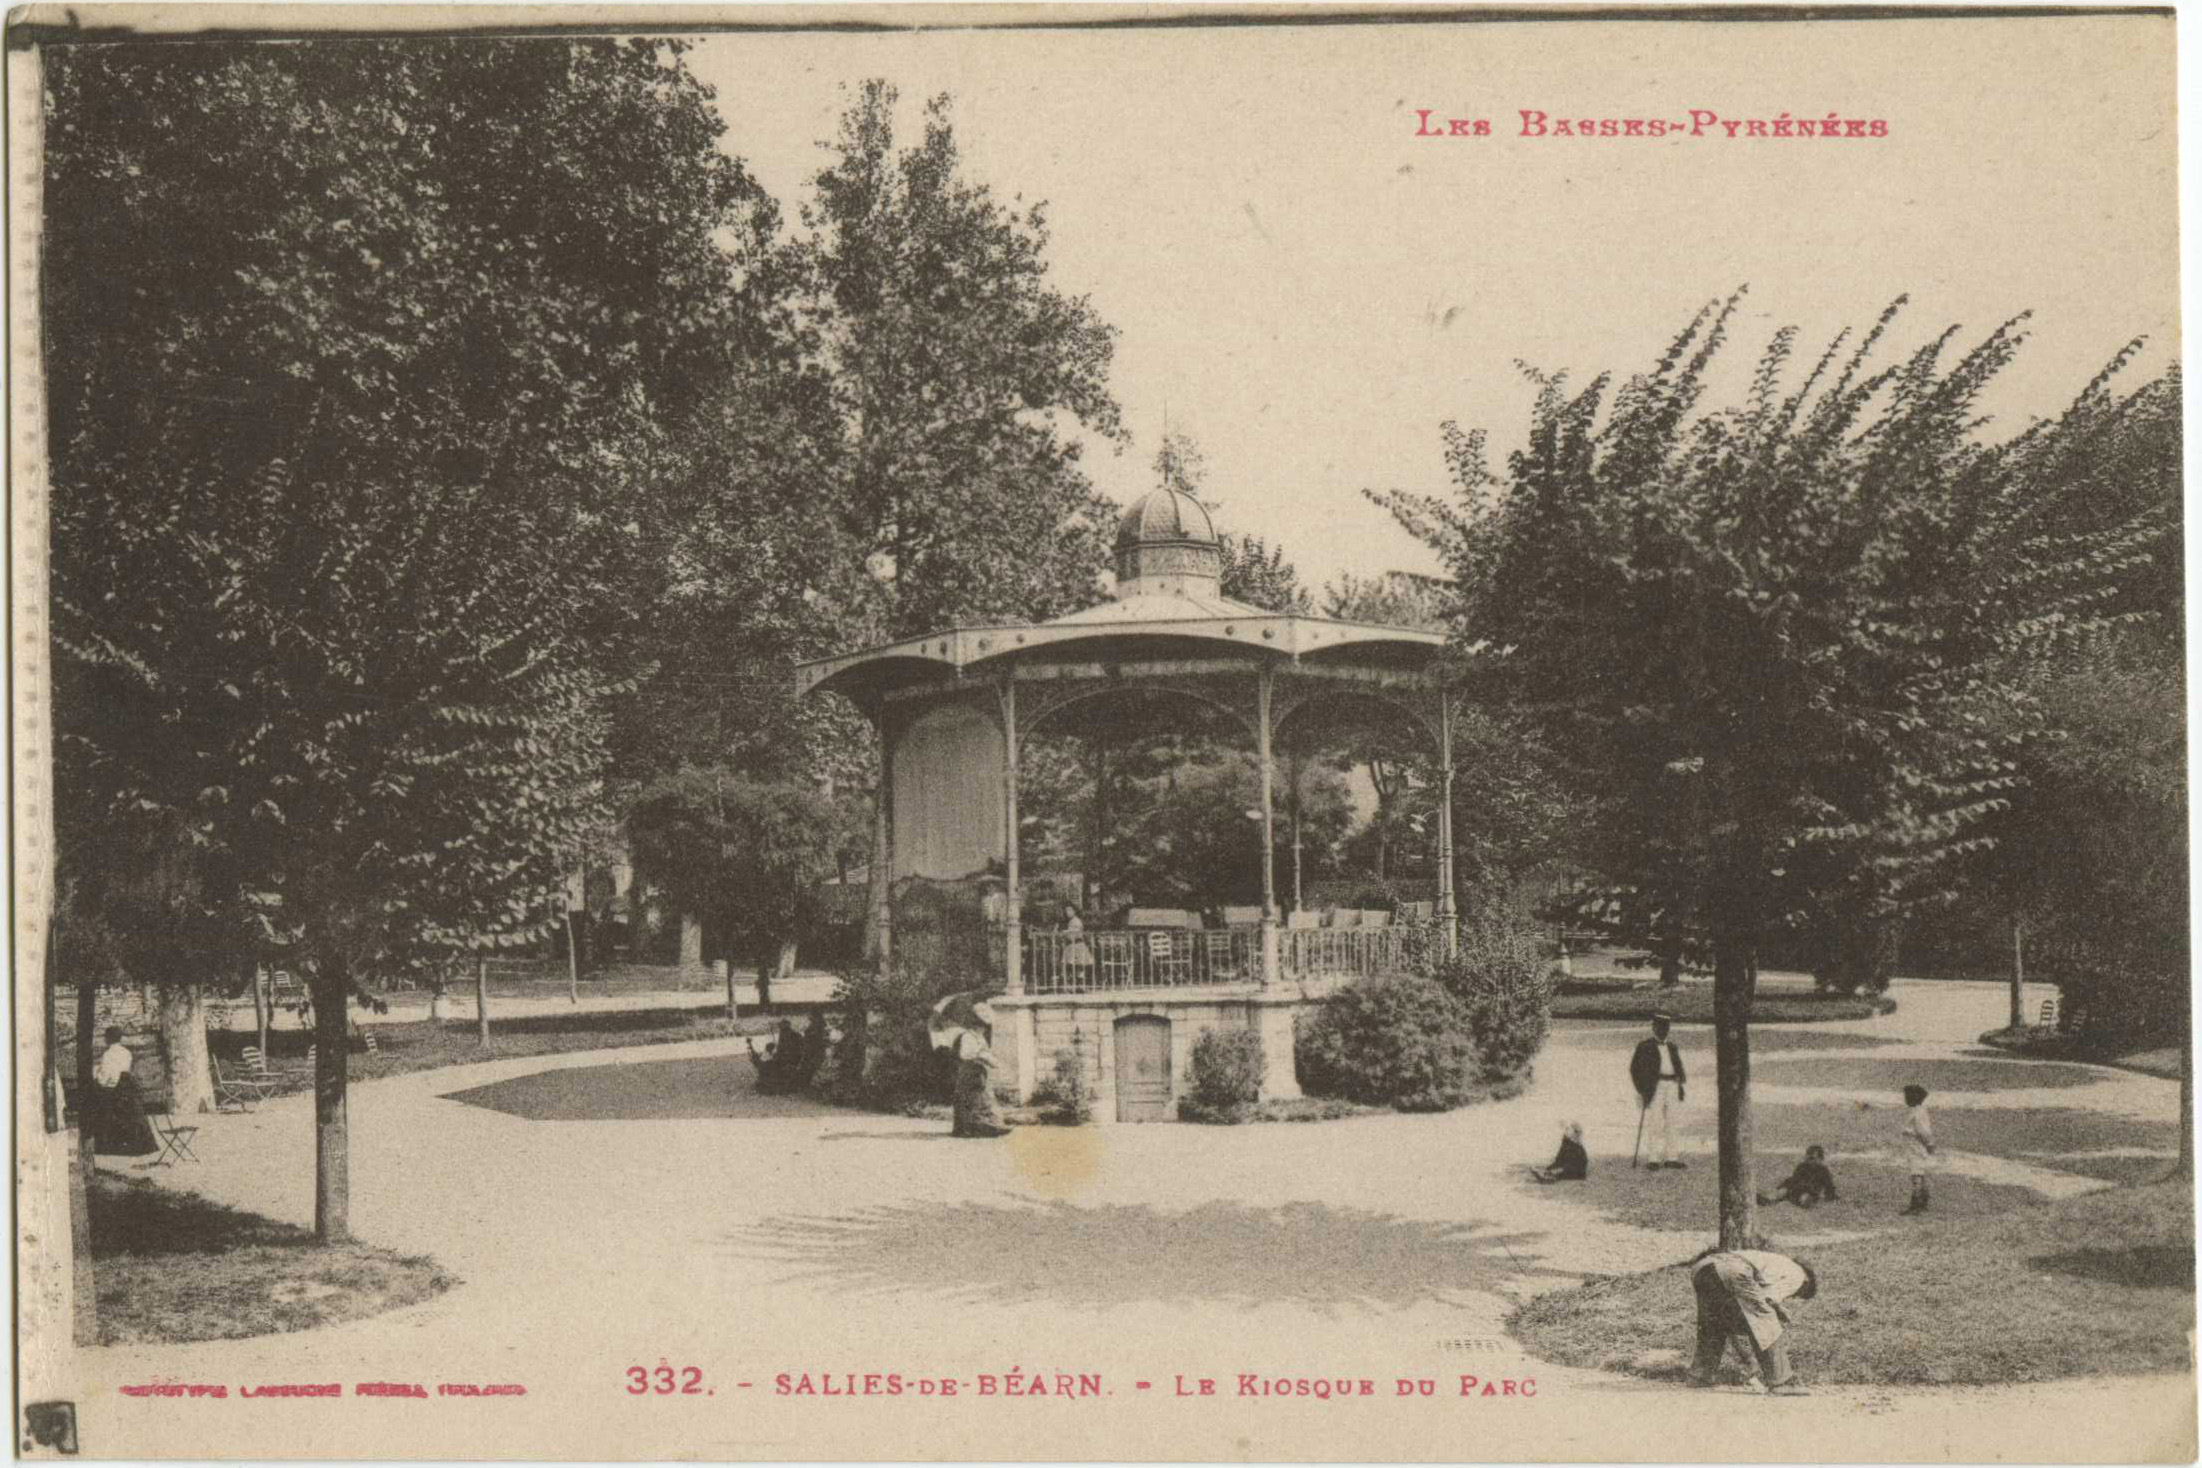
(87, 1057)
(692, 966)
(573, 960)
(182, 1013)
(2018, 974)
(2185, 1168)
(481, 1001)
(1732, 987)
(332, 1197)
(83, 1287)
(260, 1007)
(733, 1010)
(1097, 832)
(765, 961)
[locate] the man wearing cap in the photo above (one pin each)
(1656, 1069)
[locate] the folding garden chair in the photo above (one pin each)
(1170, 957)
(242, 1088)
(175, 1140)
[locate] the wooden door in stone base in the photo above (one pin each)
(1143, 1068)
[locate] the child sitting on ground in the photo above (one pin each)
(1812, 1183)
(1572, 1165)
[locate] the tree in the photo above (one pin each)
(960, 377)
(1394, 599)
(1253, 571)
(2091, 866)
(1180, 465)
(2099, 849)
(350, 473)
(1768, 644)
(745, 856)
(961, 380)
(1512, 818)
(1187, 829)
(1259, 575)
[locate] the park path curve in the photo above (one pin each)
(751, 1237)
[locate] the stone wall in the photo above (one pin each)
(1030, 1031)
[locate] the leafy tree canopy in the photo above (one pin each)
(960, 376)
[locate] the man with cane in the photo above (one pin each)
(1656, 1070)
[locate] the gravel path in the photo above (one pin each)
(752, 1236)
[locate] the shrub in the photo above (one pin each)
(1857, 954)
(1402, 1042)
(2101, 998)
(1308, 1108)
(885, 1059)
(1502, 980)
(792, 1060)
(1226, 1075)
(1064, 1097)
(1693, 1004)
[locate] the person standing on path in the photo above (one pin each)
(1661, 1085)
(1739, 1302)
(1918, 1145)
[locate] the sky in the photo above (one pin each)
(1311, 289)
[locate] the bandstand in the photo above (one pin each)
(952, 709)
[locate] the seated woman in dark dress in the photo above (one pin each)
(1572, 1165)
(116, 1114)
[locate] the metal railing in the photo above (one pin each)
(1060, 962)
(1352, 953)
(1056, 961)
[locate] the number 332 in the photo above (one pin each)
(641, 1380)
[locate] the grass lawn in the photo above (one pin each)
(413, 1045)
(2053, 1137)
(1688, 1201)
(1873, 1177)
(2097, 1285)
(2149, 1057)
(171, 1266)
(1867, 1075)
(1622, 1036)
(1693, 1003)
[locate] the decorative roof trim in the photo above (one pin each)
(1279, 635)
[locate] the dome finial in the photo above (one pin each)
(1165, 541)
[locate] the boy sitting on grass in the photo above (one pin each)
(1572, 1165)
(1810, 1184)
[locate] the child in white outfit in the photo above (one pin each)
(1918, 1144)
